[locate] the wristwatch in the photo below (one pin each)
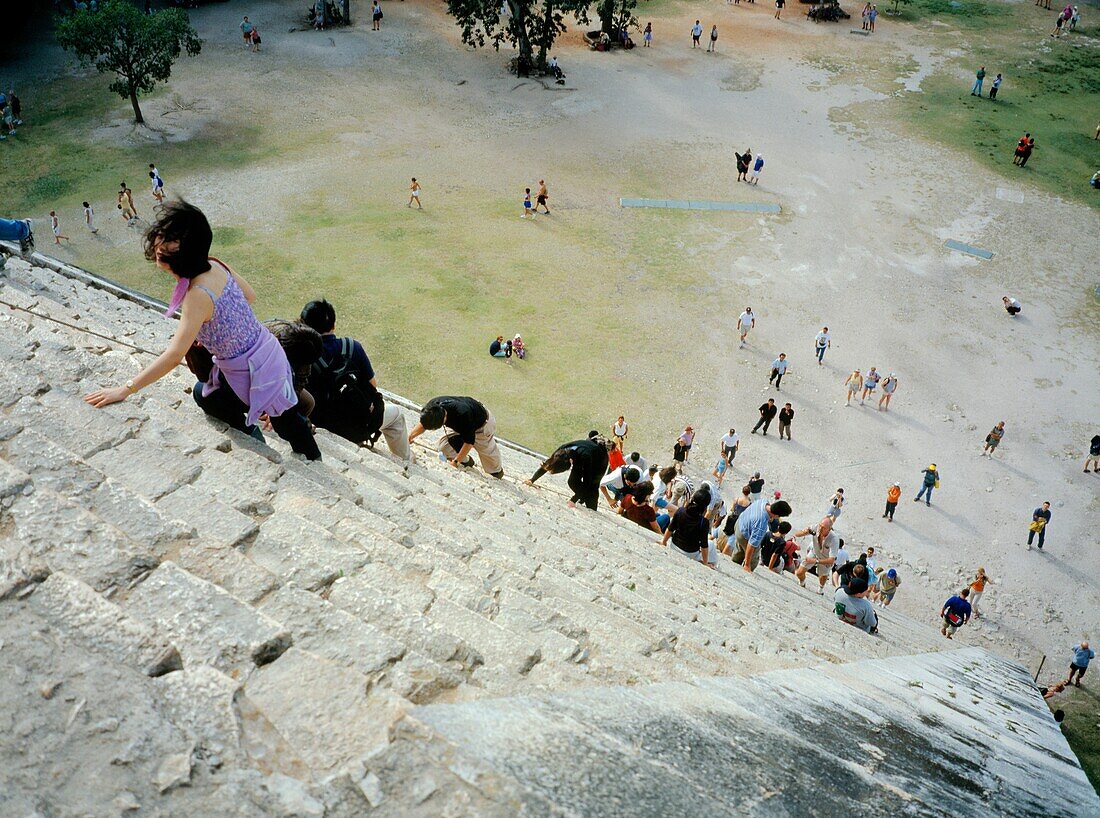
(130, 385)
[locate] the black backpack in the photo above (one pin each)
(352, 407)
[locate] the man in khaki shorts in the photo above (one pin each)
(821, 556)
(469, 426)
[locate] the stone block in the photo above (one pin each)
(75, 611)
(322, 709)
(298, 551)
(146, 469)
(206, 623)
(240, 479)
(320, 627)
(214, 522)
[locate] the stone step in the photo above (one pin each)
(241, 479)
(297, 551)
(51, 416)
(78, 613)
(147, 470)
(206, 623)
(214, 522)
(67, 538)
(326, 731)
(375, 606)
(318, 626)
(498, 646)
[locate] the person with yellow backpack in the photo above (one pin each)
(931, 481)
(1040, 519)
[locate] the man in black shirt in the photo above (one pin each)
(767, 414)
(471, 426)
(587, 463)
(786, 415)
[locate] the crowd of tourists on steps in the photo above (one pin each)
(291, 377)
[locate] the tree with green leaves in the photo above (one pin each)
(138, 48)
(615, 15)
(525, 24)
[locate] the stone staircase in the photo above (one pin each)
(193, 620)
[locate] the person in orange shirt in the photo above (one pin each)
(893, 494)
(977, 588)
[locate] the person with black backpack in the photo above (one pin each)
(345, 388)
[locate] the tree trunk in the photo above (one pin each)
(547, 27)
(606, 10)
(138, 118)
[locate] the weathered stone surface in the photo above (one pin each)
(300, 552)
(149, 471)
(214, 522)
(894, 728)
(240, 479)
(62, 534)
(12, 480)
(79, 614)
(206, 623)
(320, 627)
(201, 702)
(226, 567)
(329, 730)
(51, 415)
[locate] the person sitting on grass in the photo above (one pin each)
(519, 349)
(500, 348)
(249, 377)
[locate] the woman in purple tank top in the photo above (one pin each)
(251, 376)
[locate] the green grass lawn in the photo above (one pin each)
(1082, 728)
(1051, 89)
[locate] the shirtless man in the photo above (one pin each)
(888, 386)
(541, 197)
(854, 384)
(870, 383)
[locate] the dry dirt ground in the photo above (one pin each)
(640, 306)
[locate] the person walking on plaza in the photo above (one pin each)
(743, 160)
(768, 411)
(344, 387)
(778, 9)
(126, 203)
(619, 431)
(20, 230)
(786, 415)
(779, 369)
(821, 343)
(55, 225)
(757, 168)
(157, 184)
(528, 211)
(853, 384)
(1093, 455)
(1082, 655)
(997, 80)
(586, 461)
(541, 198)
(696, 33)
(713, 39)
(647, 36)
(249, 374)
(977, 590)
(955, 613)
(746, 322)
(889, 386)
(376, 17)
(870, 383)
(246, 32)
(682, 447)
(931, 481)
(979, 78)
(1040, 519)
(414, 194)
(893, 494)
(89, 219)
(730, 444)
(993, 439)
(472, 428)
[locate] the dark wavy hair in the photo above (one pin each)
(184, 223)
